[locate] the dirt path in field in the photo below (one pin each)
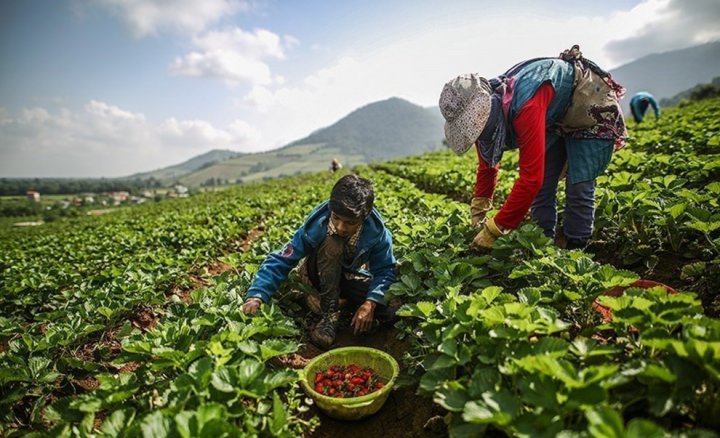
(217, 267)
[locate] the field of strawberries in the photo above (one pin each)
(130, 324)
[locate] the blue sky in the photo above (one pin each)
(113, 87)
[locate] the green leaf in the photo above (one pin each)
(201, 372)
(490, 293)
(449, 347)
(483, 380)
(466, 430)
(588, 396)
(276, 347)
(186, 424)
(714, 186)
(605, 423)
(451, 396)
(705, 227)
(140, 347)
(8, 375)
(41, 370)
(540, 391)
(495, 407)
(586, 348)
(279, 378)
(530, 295)
(551, 346)
(426, 308)
(155, 425)
(279, 416)
(210, 411)
(223, 380)
(692, 270)
(248, 347)
(477, 412)
(118, 422)
(247, 371)
(676, 210)
(430, 380)
(641, 428)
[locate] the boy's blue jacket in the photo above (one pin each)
(374, 248)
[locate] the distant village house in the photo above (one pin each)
(33, 195)
(119, 197)
(179, 191)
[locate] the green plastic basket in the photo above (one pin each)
(353, 408)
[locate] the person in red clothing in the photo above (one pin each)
(562, 113)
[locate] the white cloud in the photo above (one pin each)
(234, 56)
(229, 66)
(104, 140)
(109, 112)
(259, 44)
(149, 17)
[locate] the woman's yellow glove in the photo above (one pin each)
(478, 209)
(483, 241)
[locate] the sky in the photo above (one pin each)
(108, 88)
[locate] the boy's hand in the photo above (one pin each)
(251, 306)
(363, 319)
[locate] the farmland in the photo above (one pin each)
(130, 324)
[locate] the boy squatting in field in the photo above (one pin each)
(336, 240)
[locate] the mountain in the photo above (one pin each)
(196, 163)
(666, 74)
(699, 91)
(377, 131)
(382, 130)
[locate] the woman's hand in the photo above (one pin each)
(251, 306)
(363, 319)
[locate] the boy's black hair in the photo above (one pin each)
(352, 197)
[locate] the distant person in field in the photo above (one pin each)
(529, 107)
(335, 165)
(346, 252)
(640, 103)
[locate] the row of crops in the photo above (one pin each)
(512, 342)
(118, 326)
(78, 354)
(658, 203)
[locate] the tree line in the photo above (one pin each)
(66, 186)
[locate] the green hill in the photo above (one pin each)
(382, 130)
(378, 131)
(167, 174)
(698, 92)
